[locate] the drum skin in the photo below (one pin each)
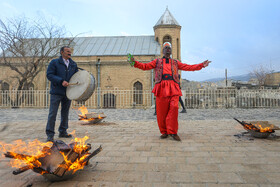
(83, 85)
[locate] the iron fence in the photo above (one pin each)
(100, 99)
(116, 98)
(232, 98)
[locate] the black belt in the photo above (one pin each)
(167, 77)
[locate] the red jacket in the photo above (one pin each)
(158, 65)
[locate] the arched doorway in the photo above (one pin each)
(137, 93)
(109, 100)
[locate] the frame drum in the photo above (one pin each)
(81, 86)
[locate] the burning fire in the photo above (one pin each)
(79, 148)
(250, 127)
(258, 127)
(83, 111)
(266, 129)
(84, 117)
(27, 155)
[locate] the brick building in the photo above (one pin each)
(106, 58)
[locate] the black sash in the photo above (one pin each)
(167, 77)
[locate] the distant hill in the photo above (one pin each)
(245, 77)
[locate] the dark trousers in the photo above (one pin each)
(181, 102)
(65, 105)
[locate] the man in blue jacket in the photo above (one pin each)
(59, 72)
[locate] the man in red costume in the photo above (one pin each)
(167, 90)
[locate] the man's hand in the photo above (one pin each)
(130, 59)
(206, 63)
(65, 83)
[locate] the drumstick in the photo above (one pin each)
(71, 84)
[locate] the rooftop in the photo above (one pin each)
(116, 46)
(167, 19)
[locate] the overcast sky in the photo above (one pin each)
(239, 35)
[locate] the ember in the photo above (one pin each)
(90, 117)
(55, 158)
(258, 129)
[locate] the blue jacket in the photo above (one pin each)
(58, 72)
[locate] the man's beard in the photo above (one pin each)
(165, 52)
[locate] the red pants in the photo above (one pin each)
(167, 114)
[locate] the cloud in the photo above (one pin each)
(91, 34)
(47, 15)
(7, 9)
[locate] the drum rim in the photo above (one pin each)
(85, 96)
(91, 86)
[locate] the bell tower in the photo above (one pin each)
(167, 29)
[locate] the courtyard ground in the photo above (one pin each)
(210, 153)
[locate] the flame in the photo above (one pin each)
(258, 127)
(83, 111)
(79, 148)
(250, 127)
(27, 154)
(266, 129)
(83, 116)
(78, 164)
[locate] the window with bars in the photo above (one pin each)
(138, 93)
(109, 100)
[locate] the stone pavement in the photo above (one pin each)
(133, 155)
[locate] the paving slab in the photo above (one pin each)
(210, 153)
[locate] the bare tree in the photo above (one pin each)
(260, 74)
(27, 45)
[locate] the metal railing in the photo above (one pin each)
(107, 99)
(116, 98)
(232, 98)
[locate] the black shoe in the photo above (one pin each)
(50, 139)
(163, 136)
(183, 111)
(65, 135)
(175, 137)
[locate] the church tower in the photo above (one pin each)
(167, 29)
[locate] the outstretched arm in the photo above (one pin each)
(195, 67)
(143, 66)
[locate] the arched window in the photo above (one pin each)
(138, 93)
(5, 86)
(109, 100)
(167, 38)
